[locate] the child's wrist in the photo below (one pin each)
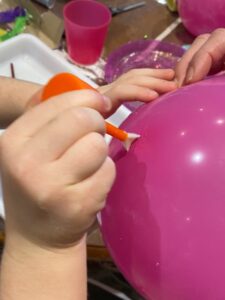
(17, 244)
(59, 273)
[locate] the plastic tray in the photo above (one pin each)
(33, 60)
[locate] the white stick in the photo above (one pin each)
(168, 30)
(108, 289)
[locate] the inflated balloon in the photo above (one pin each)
(202, 16)
(164, 221)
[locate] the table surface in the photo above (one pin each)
(151, 20)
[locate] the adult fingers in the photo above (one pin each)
(183, 64)
(209, 56)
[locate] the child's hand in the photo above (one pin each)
(55, 169)
(139, 84)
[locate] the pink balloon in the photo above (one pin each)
(202, 16)
(164, 222)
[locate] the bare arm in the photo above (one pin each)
(29, 272)
(14, 95)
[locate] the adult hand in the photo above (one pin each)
(206, 56)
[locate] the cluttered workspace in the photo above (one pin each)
(146, 242)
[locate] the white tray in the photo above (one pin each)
(33, 60)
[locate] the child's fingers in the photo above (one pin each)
(130, 92)
(37, 117)
(82, 201)
(167, 74)
(82, 159)
(143, 90)
(54, 138)
(96, 187)
(159, 85)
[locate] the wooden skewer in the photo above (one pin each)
(65, 82)
(12, 70)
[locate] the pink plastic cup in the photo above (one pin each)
(86, 25)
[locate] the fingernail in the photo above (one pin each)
(180, 83)
(189, 75)
(107, 103)
(153, 94)
(176, 82)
